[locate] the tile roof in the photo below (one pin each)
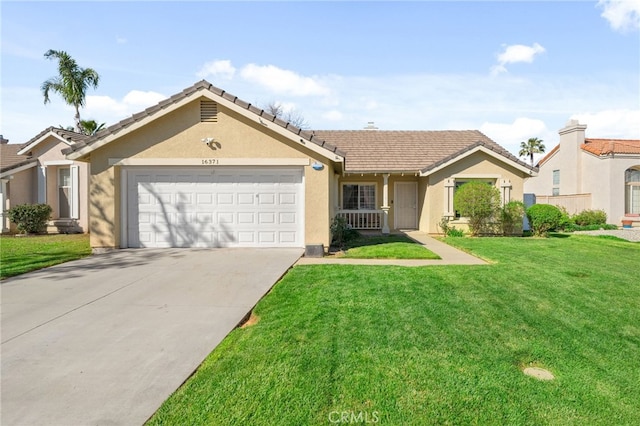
(611, 146)
(9, 158)
(69, 136)
(201, 86)
(406, 151)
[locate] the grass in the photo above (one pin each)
(435, 345)
(20, 254)
(387, 247)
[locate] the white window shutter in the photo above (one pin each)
(75, 192)
(42, 184)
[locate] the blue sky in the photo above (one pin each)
(513, 70)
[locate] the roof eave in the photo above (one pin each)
(17, 168)
(223, 98)
(479, 147)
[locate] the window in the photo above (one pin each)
(632, 191)
(555, 191)
(358, 197)
(556, 177)
(64, 192)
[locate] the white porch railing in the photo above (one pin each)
(362, 219)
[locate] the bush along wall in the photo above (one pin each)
(30, 218)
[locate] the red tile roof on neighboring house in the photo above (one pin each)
(602, 147)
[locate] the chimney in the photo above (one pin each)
(3, 140)
(570, 156)
(370, 126)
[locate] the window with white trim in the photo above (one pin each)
(64, 192)
(632, 190)
(556, 183)
(359, 196)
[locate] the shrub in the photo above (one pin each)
(342, 232)
(455, 232)
(590, 217)
(30, 218)
(511, 217)
(543, 218)
(478, 202)
(566, 222)
(448, 230)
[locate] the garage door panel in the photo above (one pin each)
(195, 207)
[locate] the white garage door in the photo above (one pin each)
(221, 207)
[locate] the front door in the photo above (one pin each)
(406, 205)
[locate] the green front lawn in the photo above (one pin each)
(435, 345)
(387, 247)
(27, 253)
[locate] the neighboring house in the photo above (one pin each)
(40, 173)
(587, 173)
(205, 169)
(16, 179)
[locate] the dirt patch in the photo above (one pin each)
(539, 373)
(252, 320)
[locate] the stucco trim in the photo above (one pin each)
(212, 161)
(484, 150)
(58, 163)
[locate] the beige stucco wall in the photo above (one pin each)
(21, 189)
(602, 178)
(50, 150)
(477, 165)
(178, 135)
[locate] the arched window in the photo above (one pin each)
(632, 190)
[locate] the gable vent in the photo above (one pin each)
(208, 112)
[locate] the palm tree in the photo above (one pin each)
(91, 127)
(71, 83)
(530, 147)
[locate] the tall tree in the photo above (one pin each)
(71, 82)
(530, 147)
(292, 116)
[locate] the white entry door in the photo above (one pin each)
(221, 207)
(406, 205)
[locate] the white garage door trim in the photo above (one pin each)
(220, 207)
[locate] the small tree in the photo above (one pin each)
(478, 202)
(30, 218)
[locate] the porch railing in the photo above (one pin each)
(362, 219)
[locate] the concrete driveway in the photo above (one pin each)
(106, 339)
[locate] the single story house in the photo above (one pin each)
(38, 172)
(206, 169)
(583, 173)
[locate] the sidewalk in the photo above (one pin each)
(449, 256)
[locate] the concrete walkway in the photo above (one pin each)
(106, 339)
(449, 256)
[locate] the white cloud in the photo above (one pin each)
(220, 68)
(623, 15)
(121, 40)
(284, 82)
(516, 53)
(618, 123)
(333, 115)
(509, 135)
(110, 110)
